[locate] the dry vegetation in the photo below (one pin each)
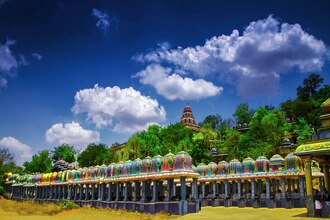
(32, 210)
(12, 210)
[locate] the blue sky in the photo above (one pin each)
(80, 72)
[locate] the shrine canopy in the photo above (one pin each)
(318, 150)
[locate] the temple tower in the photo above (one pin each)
(188, 118)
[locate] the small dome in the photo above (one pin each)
(168, 164)
(102, 169)
(110, 170)
(235, 167)
(82, 173)
(97, 172)
(156, 164)
(127, 167)
(182, 161)
(12, 177)
(286, 142)
(276, 163)
(214, 152)
(52, 177)
(262, 164)
(201, 169)
(223, 167)
(248, 165)
(7, 176)
(36, 179)
(146, 164)
(293, 162)
(58, 177)
(136, 166)
(119, 168)
(211, 169)
(77, 174)
(88, 173)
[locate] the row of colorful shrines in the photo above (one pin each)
(172, 184)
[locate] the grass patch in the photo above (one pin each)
(29, 207)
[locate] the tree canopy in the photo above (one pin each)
(307, 104)
(7, 164)
(243, 114)
(64, 152)
(96, 154)
(40, 163)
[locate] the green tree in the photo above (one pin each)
(96, 154)
(225, 125)
(64, 152)
(40, 163)
(276, 127)
(200, 152)
(243, 114)
(257, 131)
(151, 140)
(310, 86)
(7, 164)
(232, 144)
(303, 130)
(310, 96)
(174, 137)
(134, 148)
(213, 120)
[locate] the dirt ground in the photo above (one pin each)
(11, 210)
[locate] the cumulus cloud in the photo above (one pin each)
(264, 51)
(21, 151)
(103, 22)
(37, 56)
(9, 62)
(127, 110)
(71, 133)
(172, 86)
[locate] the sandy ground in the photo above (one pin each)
(10, 210)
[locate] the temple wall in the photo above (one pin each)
(171, 184)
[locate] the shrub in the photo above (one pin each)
(67, 205)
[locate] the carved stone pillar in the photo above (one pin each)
(309, 187)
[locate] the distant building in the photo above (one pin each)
(119, 149)
(188, 119)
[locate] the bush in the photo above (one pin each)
(67, 205)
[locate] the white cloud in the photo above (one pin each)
(265, 50)
(103, 22)
(21, 151)
(3, 82)
(71, 133)
(172, 86)
(37, 56)
(126, 109)
(9, 62)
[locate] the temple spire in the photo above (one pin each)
(188, 118)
